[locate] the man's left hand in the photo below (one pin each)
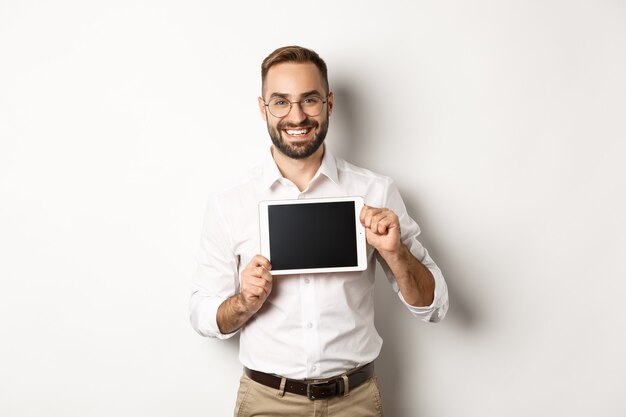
(382, 228)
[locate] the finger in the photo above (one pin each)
(384, 224)
(257, 266)
(257, 286)
(266, 275)
(259, 271)
(258, 274)
(257, 291)
(363, 213)
(266, 286)
(369, 216)
(376, 218)
(260, 260)
(253, 271)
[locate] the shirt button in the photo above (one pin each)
(306, 280)
(313, 368)
(309, 325)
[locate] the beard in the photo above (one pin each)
(299, 150)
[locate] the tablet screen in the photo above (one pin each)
(316, 235)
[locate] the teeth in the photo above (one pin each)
(296, 132)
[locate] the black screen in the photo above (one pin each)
(315, 235)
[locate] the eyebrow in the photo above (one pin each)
(305, 94)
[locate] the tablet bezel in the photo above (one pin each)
(360, 235)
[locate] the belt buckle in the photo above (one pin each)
(309, 392)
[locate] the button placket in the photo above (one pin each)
(309, 325)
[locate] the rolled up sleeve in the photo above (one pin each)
(216, 276)
(409, 233)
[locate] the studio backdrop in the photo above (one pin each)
(501, 122)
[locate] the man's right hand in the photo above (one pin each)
(256, 283)
(256, 286)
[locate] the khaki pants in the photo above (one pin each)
(257, 400)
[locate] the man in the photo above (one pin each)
(308, 341)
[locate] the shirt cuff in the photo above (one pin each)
(204, 318)
(437, 310)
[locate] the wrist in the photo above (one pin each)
(394, 255)
(240, 305)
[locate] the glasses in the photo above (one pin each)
(310, 105)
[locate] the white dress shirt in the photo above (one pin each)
(311, 325)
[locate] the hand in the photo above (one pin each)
(382, 228)
(256, 283)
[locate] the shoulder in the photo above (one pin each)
(236, 191)
(354, 172)
(375, 188)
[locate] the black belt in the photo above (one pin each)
(315, 390)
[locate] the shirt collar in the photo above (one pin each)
(271, 173)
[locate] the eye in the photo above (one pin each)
(279, 102)
(311, 101)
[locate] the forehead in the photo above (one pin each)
(293, 79)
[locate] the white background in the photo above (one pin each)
(502, 122)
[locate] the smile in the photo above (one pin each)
(298, 133)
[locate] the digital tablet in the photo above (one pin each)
(313, 235)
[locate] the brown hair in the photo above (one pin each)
(295, 54)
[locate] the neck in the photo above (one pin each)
(299, 171)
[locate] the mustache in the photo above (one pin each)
(304, 125)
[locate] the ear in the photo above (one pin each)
(262, 108)
(331, 102)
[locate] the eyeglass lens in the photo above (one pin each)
(311, 106)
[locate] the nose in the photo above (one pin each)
(296, 115)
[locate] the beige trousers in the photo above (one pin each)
(257, 400)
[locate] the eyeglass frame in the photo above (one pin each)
(299, 103)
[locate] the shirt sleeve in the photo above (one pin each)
(216, 277)
(409, 233)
